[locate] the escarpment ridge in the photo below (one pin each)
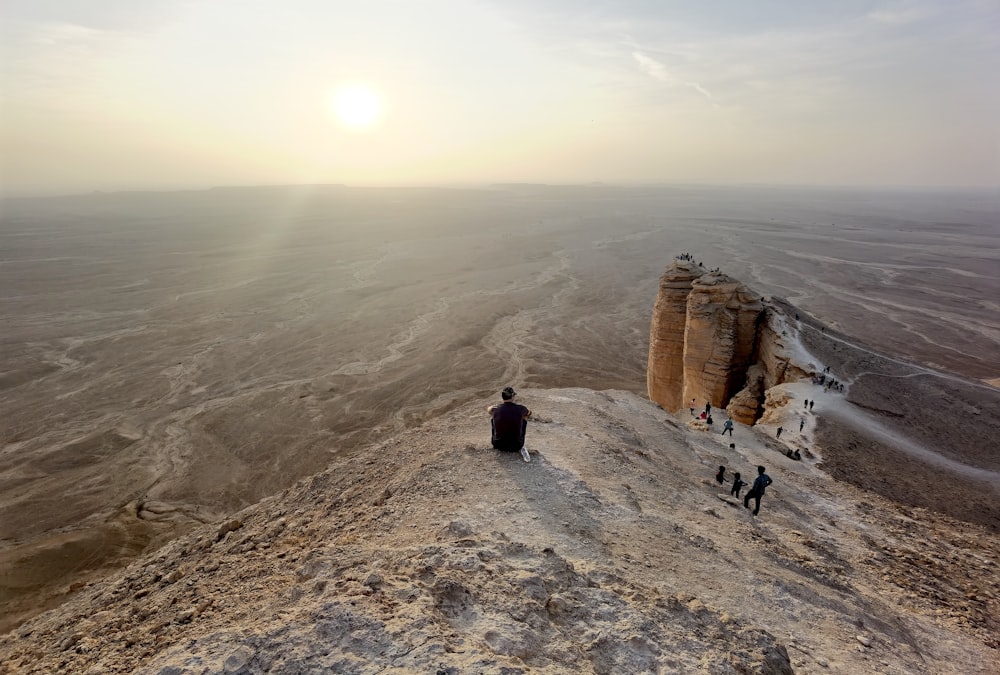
(611, 551)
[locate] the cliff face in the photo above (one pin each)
(719, 336)
(667, 334)
(714, 340)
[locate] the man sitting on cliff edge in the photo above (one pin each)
(509, 422)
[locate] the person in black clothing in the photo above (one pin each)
(737, 485)
(720, 477)
(757, 491)
(778, 435)
(509, 422)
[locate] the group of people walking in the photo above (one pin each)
(756, 491)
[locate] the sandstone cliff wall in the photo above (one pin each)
(715, 340)
(719, 336)
(666, 334)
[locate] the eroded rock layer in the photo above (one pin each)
(714, 340)
(666, 334)
(719, 337)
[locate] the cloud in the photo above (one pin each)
(658, 71)
(896, 17)
(652, 67)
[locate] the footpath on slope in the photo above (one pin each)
(904, 431)
(612, 551)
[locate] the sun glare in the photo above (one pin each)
(356, 106)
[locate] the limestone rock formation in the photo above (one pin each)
(666, 334)
(704, 336)
(715, 340)
(719, 336)
(745, 406)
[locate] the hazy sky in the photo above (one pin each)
(138, 94)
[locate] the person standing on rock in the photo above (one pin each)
(728, 426)
(509, 422)
(720, 477)
(805, 404)
(802, 423)
(778, 435)
(757, 491)
(811, 405)
(692, 407)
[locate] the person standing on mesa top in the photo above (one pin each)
(509, 422)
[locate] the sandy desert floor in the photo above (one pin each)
(169, 358)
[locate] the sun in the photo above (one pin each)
(355, 106)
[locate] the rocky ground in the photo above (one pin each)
(612, 551)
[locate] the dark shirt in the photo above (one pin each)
(763, 480)
(508, 423)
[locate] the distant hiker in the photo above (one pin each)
(811, 405)
(692, 407)
(737, 485)
(708, 408)
(509, 422)
(757, 491)
(805, 404)
(708, 420)
(778, 435)
(703, 415)
(720, 477)
(796, 455)
(728, 426)
(802, 423)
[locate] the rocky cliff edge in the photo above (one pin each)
(612, 551)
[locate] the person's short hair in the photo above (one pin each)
(508, 393)
(760, 469)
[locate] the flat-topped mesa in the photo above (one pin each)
(714, 340)
(719, 338)
(666, 334)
